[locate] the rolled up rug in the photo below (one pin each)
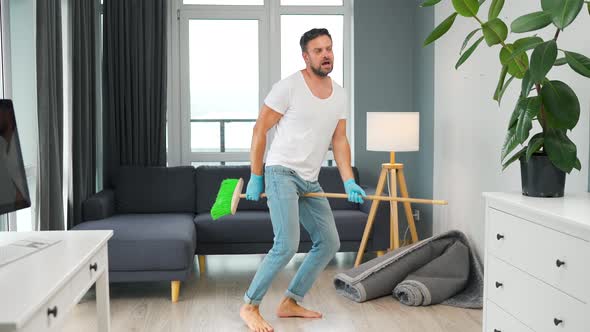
(438, 280)
(380, 276)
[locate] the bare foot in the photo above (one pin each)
(289, 308)
(251, 316)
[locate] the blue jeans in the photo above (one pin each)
(284, 189)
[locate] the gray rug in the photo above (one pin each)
(442, 269)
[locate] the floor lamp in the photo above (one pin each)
(391, 132)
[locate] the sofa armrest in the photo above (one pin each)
(99, 206)
(380, 230)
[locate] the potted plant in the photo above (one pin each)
(549, 154)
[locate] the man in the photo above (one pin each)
(309, 111)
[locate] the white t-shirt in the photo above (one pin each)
(304, 133)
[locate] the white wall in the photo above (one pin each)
(469, 127)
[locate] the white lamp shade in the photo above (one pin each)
(393, 131)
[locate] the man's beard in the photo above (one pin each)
(318, 71)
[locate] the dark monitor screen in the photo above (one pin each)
(14, 192)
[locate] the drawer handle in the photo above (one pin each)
(557, 321)
(94, 266)
(52, 311)
(496, 330)
(559, 263)
(499, 236)
(499, 284)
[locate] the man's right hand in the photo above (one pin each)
(254, 188)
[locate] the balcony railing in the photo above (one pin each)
(222, 123)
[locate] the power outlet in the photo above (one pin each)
(416, 214)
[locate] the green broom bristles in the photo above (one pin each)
(222, 205)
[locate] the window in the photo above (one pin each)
(18, 56)
(226, 56)
(223, 86)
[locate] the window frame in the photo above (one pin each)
(5, 220)
(269, 33)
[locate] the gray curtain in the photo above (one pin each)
(134, 84)
(49, 212)
(83, 18)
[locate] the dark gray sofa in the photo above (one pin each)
(160, 218)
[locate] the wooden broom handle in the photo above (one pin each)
(372, 197)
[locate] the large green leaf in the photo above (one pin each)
(578, 165)
(500, 84)
(579, 63)
(468, 53)
(441, 29)
(467, 8)
(530, 108)
(510, 142)
(495, 9)
(542, 60)
(560, 149)
(501, 93)
(527, 85)
(515, 115)
(514, 158)
(563, 12)
(517, 66)
(467, 39)
(560, 62)
(562, 107)
(524, 44)
(530, 22)
(534, 145)
(429, 3)
(495, 31)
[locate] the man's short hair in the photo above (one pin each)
(310, 35)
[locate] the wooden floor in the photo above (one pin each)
(210, 302)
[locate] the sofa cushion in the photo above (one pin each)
(331, 182)
(255, 226)
(209, 178)
(155, 190)
(148, 242)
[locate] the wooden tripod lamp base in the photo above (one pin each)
(396, 175)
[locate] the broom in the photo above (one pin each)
(230, 193)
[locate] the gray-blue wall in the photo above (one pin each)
(393, 73)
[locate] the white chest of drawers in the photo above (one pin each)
(38, 291)
(537, 263)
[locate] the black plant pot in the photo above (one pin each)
(540, 178)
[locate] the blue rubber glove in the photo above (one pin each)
(254, 188)
(354, 191)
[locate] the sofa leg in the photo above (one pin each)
(201, 264)
(175, 286)
(380, 253)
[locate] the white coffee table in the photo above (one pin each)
(38, 291)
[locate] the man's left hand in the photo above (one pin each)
(354, 191)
